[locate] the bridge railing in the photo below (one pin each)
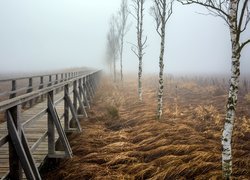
(13, 86)
(79, 89)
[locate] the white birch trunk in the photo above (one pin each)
(140, 46)
(232, 96)
(161, 65)
(121, 53)
(114, 69)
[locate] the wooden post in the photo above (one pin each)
(90, 90)
(50, 80)
(41, 86)
(15, 164)
(13, 88)
(82, 90)
(66, 108)
(51, 127)
(61, 80)
(30, 89)
(56, 82)
(79, 84)
(74, 95)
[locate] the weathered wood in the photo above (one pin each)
(4, 105)
(4, 140)
(73, 112)
(13, 88)
(66, 108)
(31, 161)
(36, 131)
(34, 118)
(30, 89)
(38, 142)
(61, 133)
(80, 103)
(51, 126)
(83, 92)
(22, 153)
(74, 96)
(13, 115)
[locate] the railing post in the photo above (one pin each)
(30, 89)
(66, 108)
(79, 89)
(56, 82)
(41, 86)
(74, 95)
(13, 88)
(14, 162)
(61, 79)
(50, 80)
(51, 126)
(65, 77)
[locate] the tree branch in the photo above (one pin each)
(242, 15)
(209, 4)
(244, 44)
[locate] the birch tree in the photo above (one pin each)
(236, 14)
(123, 28)
(113, 44)
(161, 11)
(138, 14)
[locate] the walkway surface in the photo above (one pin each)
(33, 132)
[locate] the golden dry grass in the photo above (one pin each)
(123, 140)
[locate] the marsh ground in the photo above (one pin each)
(123, 140)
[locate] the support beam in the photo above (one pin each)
(62, 136)
(73, 112)
(82, 108)
(22, 151)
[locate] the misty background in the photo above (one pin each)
(55, 34)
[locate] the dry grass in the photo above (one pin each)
(123, 140)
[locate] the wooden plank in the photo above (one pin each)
(19, 150)
(34, 123)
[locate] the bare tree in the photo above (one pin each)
(138, 6)
(112, 45)
(122, 29)
(161, 11)
(236, 14)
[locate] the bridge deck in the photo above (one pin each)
(33, 132)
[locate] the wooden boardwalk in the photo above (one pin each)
(33, 132)
(35, 123)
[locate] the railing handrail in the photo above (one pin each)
(6, 104)
(36, 75)
(72, 96)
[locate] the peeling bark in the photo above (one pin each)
(138, 6)
(232, 95)
(161, 72)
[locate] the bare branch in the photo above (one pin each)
(242, 15)
(134, 51)
(144, 42)
(244, 44)
(209, 4)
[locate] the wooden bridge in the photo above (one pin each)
(37, 114)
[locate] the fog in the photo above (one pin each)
(54, 34)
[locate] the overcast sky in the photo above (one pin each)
(53, 34)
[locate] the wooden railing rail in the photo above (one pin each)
(79, 89)
(52, 79)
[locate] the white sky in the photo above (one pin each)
(38, 35)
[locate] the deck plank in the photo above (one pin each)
(33, 132)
